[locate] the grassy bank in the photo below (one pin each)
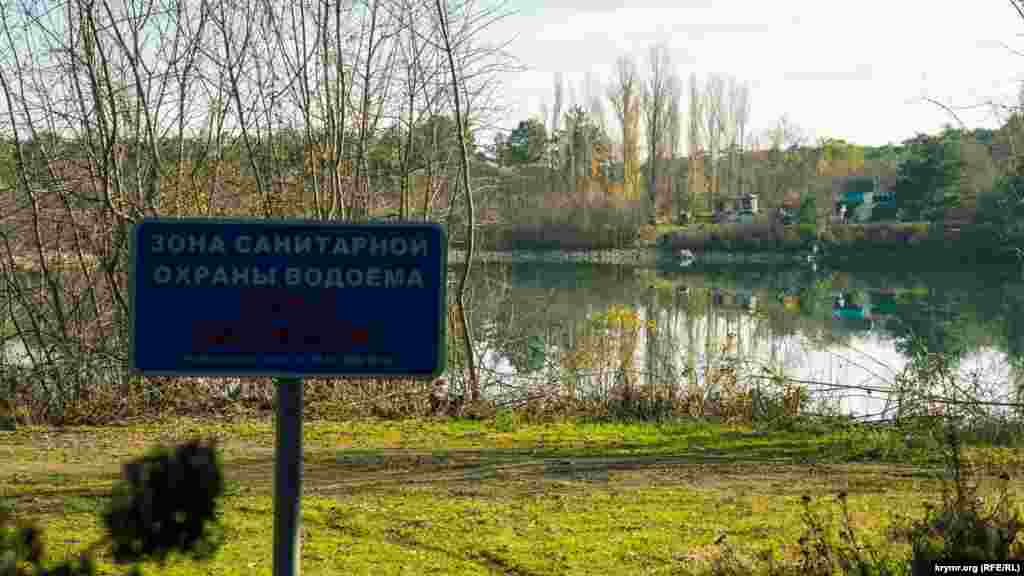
(481, 497)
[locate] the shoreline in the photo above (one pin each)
(638, 257)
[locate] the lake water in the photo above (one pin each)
(845, 334)
(832, 330)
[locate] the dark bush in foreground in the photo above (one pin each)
(166, 502)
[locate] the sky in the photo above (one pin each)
(856, 71)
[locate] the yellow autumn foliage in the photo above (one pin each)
(609, 341)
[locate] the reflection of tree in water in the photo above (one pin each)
(545, 308)
(519, 333)
(812, 295)
(1012, 306)
(933, 323)
(527, 354)
(522, 310)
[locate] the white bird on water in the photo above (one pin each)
(686, 257)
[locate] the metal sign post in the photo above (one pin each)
(287, 476)
(289, 300)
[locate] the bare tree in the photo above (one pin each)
(656, 101)
(727, 129)
(695, 115)
(421, 92)
(324, 80)
(784, 141)
(115, 110)
(376, 64)
(91, 92)
(467, 62)
(545, 113)
(625, 94)
(714, 100)
(674, 136)
(730, 129)
(556, 134)
(741, 115)
(595, 101)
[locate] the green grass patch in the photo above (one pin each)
(507, 495)
(494, 524)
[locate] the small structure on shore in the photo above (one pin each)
(855, 197)
(730, 209)
(738, 203)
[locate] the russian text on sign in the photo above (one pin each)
(289, 245)
(312, 277)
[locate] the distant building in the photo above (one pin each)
(859, 195)
(738, 203)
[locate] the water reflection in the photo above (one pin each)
(592, 329)
(835, 329)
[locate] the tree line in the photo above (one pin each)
(113, 111)
(347, 110)
(958, 170)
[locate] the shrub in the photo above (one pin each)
(918, 227)
(821, 553)
(506, 420)
(808, 210)
(647, 233)
(639, 407)
(959, 529)
(918, 234)
(858, 235)
(561, 224)
(166, 502)
(808, 232)
(780, 405)
(962, 528)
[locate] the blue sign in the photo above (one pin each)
(287, 299)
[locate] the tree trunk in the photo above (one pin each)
(467, 338)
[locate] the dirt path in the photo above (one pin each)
(45, 487)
